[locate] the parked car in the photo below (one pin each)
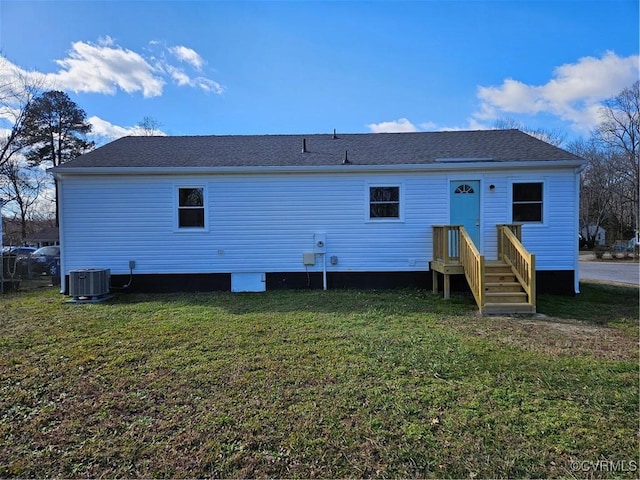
(45, 261)
(625, 246)
(18, 251)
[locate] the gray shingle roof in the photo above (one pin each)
(322, 150)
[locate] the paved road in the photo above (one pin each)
(619, 272)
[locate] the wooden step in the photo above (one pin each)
(502, 286)
(497, 266)
(497, 272)
(508, 308)
(499, 277)
(503, 293)
(506, 297)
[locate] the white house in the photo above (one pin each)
(596, 232)
(274, 211)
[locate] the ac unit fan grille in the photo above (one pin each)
(89, 282)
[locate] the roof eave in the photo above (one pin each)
(348, 168)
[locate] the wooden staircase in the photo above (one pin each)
(503, 293)
(504, 286)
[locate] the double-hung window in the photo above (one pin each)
(384, 202)
(191, 207)
(527, 203)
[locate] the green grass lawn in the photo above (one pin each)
(318, 384)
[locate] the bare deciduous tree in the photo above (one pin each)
(610, 183)
(17, 91)
(553, 136)
(620, 132)
(596, 184)
(148, 127)
(22, 186)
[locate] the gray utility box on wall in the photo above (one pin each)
(308, 258)
(91, 282)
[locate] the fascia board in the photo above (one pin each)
(338, 169)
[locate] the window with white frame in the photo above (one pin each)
(190, 207)
(384, 202)
(527, 202)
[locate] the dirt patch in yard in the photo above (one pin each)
(563, 337)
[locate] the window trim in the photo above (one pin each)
(176, 208)
(367, 213)
(545, 201)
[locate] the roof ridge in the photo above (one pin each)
(337, 134)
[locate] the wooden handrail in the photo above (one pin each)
(516, 228)
(446, 243)
(521, 261)
(473, 264)
(452, 244)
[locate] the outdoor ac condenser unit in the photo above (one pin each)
(92, 282)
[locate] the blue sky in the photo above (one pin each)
(233, 67)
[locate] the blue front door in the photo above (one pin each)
(465, 207)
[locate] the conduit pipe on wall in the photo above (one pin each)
(324, 271)
(320, 248)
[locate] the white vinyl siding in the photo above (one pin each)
(265, 222)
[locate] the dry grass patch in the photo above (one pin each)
(558, 337)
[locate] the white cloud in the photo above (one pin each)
(207, 85)
(404, 125)
(8, 71)
(8, 115)
(401, 125)
(103, 131)
(106, 41)
(187, 55)
(474, 124)
(428, 126)
(178, 75)
(104, 69)
(573, 94)
(18, 86)
(181, 78)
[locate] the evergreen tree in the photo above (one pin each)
(54, 129)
